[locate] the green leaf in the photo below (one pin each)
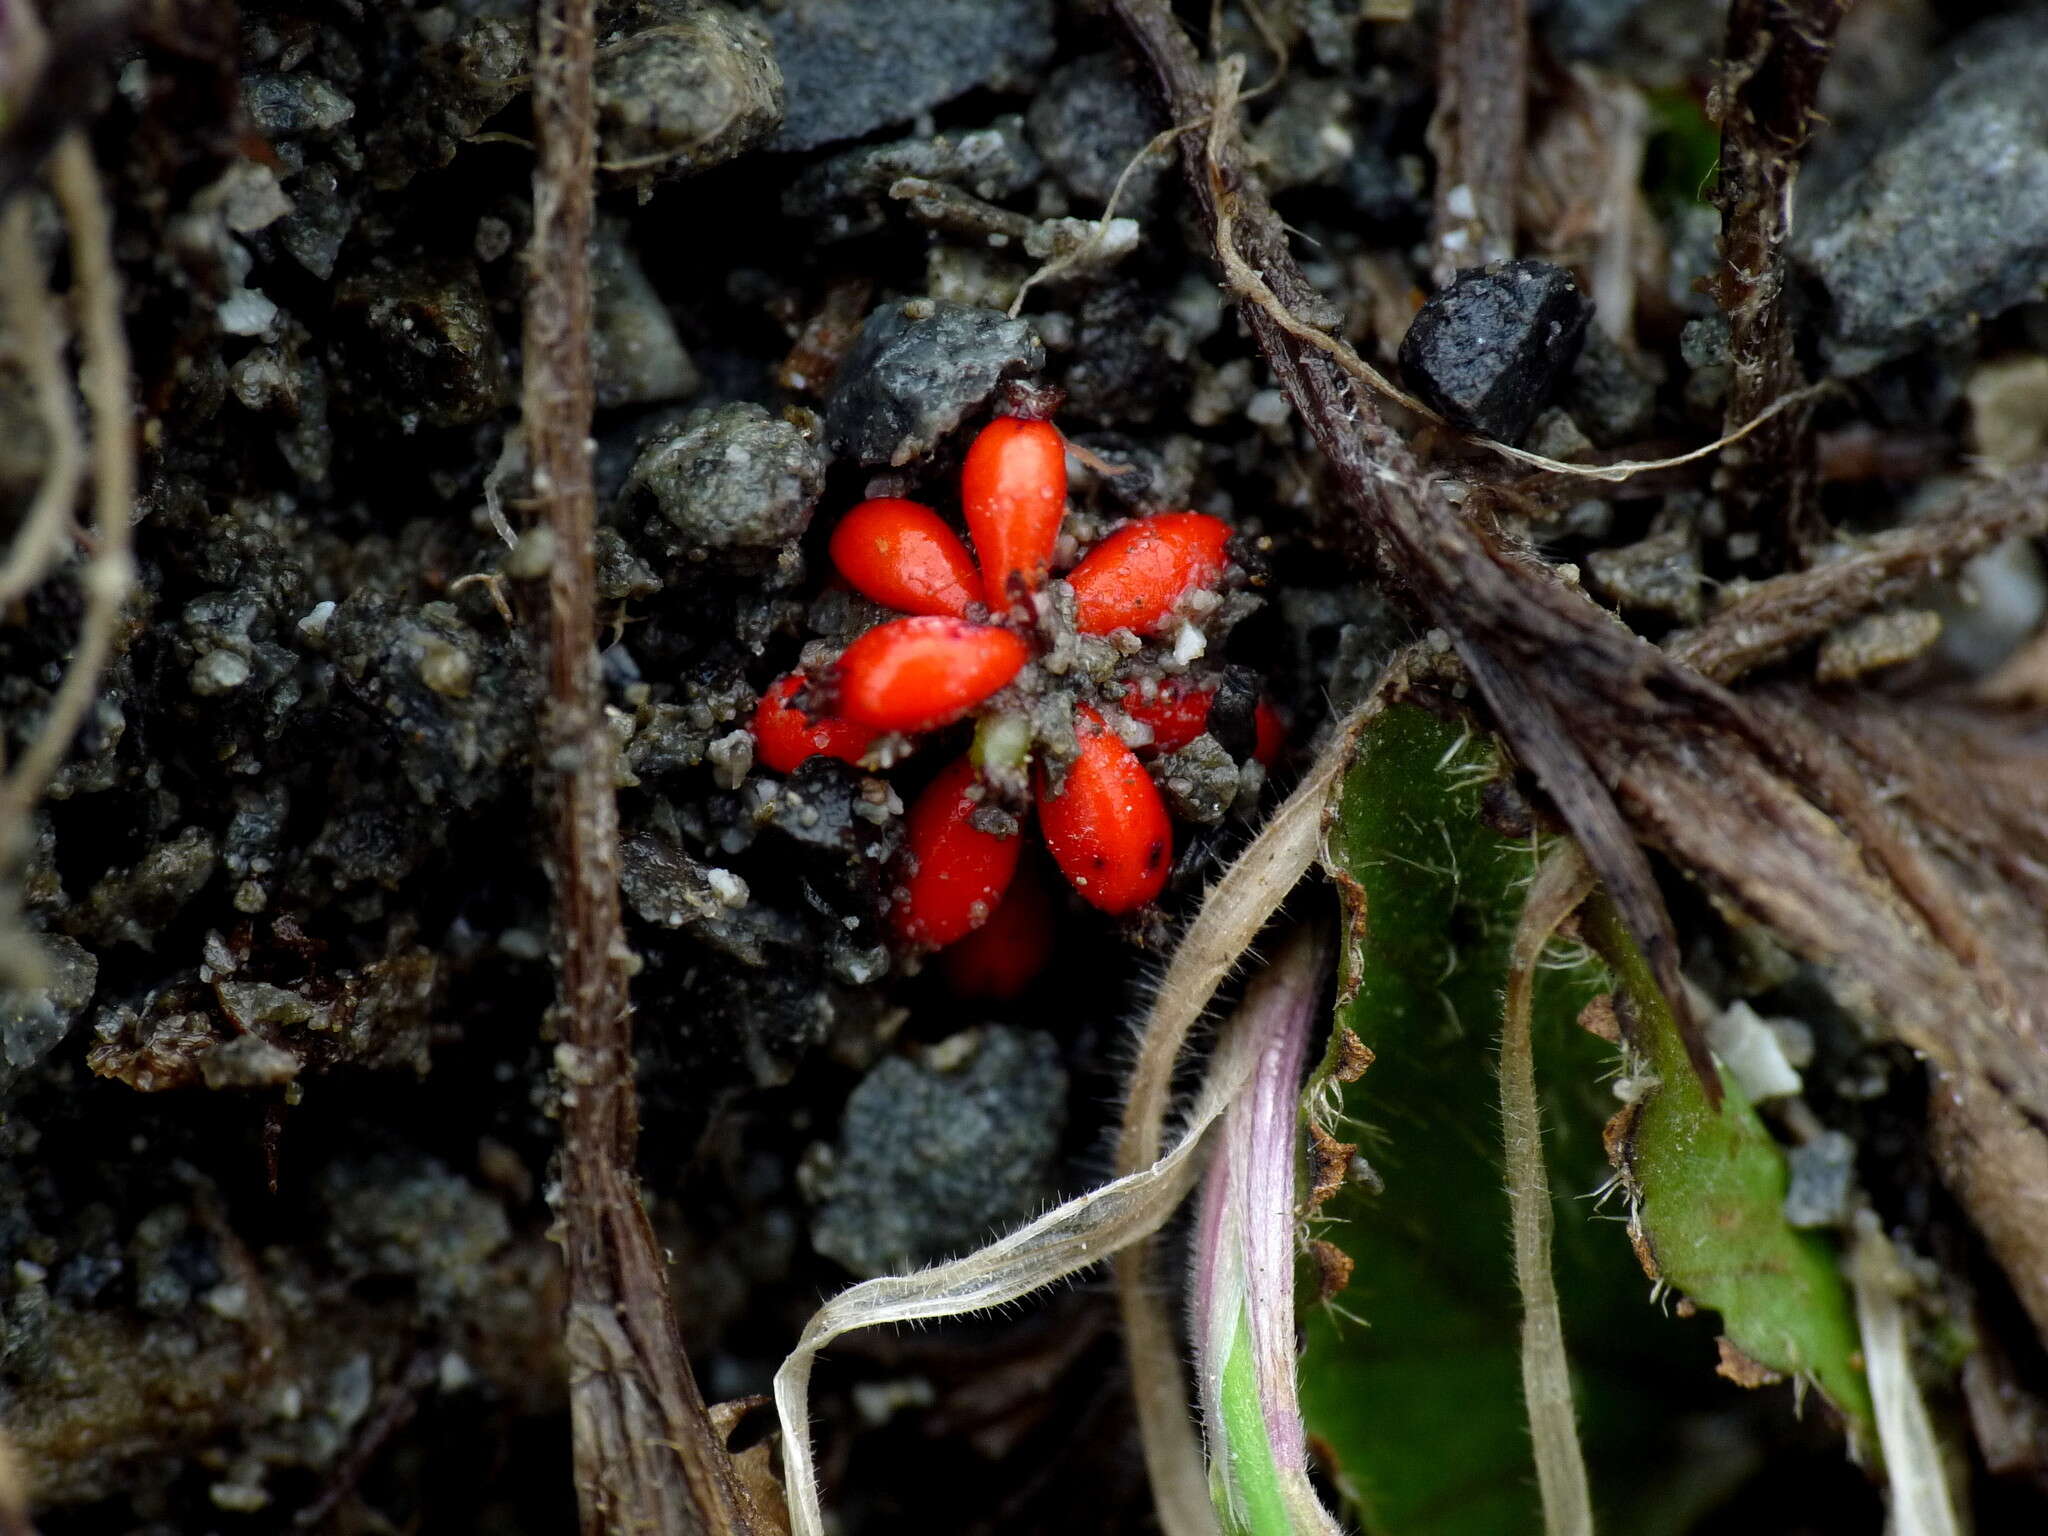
(1710, 1200)
(1418, 1402)
(1683, 155)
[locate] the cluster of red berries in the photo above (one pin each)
(968, 636)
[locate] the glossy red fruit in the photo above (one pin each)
(1272, 733)
(904, 556)
(954, 874)
(920, 674)
(1013, 490)
(1178, 712)
(1133, 578)
(1107, 827)
(784, 736)
(1002, 957)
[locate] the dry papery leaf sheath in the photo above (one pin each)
(1756, 796)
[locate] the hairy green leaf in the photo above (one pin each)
(1709, 1192)
(1411, 1380)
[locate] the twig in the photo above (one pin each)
(40, 351)
(1087, 248)
(52, 79)
(393, 1411)
(646, 1458)
(1477, 134)
(1561, 884)
(110, 570)
(1777, 51)
(1774, 618)
(1553, 668)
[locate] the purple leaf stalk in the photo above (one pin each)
(1242, 1296)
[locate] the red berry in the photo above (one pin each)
(1000, 958)
(784, 736)
(954, 873)
(1272, 733)
(1107, 827)
(920, 674)
(904, 556)
(1133, 578)
(1178, 712)
(1013, 489)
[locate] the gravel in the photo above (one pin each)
(847, 195)
(934, 50)
(1946, 224)
(1491, 350)
(1088, 122)
(33, 1022)
(732, 482)
(416, 342)
(933, 1157)
(635, 353)
(294, 104)
(1612, 394)
(415, 1219)
(682, 85)
(917, 370)
(1659, 574)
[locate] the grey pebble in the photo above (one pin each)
(1088, 122)
(848, 195)
(1612, 394)
(34, 1021)
(1947, 222)
(732, 480)
(1822, 1173)
(852, 66)
(932, 1162)
(1200, 781)
(916, 371)
(635, 352)
(294, 104)
(682, 85)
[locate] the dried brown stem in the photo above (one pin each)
(1554, 669)
(646, 1458)
(1775, 618)
(392, 1412)
(1477, 135)
(1777, 51)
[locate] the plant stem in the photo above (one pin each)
(646, 1458)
